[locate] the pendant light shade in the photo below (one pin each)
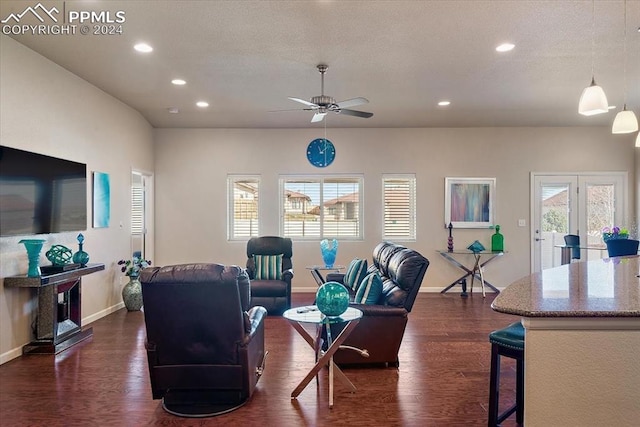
(638, 140)
(625, 122)
(593, 100)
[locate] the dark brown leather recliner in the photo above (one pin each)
(205, 347)
(274, 295)
(382, 326)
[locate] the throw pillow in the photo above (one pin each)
(355, 273)
(268, 267)
(370, 290)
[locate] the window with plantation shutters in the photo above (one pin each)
(243, 195)
(321, 207)
(137, 209)
(399, 214)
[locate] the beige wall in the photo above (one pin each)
(192, 165)
(48, 110)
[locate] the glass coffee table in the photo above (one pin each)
(311, 315)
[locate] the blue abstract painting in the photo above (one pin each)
(101, 200)
(469, 202)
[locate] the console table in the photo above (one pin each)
(475, 271)
(317, 276)
(58, 323)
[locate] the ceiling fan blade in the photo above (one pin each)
(294, 109)
(362, 114)
(302, 101)
(317, 117)
(352, 102)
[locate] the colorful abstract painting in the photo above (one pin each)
(469, 202)
(101, 200)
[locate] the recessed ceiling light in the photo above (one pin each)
(178, 82)
(444, 103)
(505, 47)
(173, 110)
(202, 104)
(143, 47)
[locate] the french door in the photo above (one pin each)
(579, 204)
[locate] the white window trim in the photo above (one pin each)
(360, 179)
(231, 180)
(413, 207)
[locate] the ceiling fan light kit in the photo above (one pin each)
(323, 104)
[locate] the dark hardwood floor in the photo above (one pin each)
(442, 380)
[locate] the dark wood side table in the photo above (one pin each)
(58, 323)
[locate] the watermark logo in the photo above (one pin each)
(33, 11)
(51, 21)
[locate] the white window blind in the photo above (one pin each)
(243, 213)
(137, 209)
(399, 215)
(316, 207)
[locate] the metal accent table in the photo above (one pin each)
(565, 251)
(58, 323)
(316, 269)
(310, 314)
(475, 272)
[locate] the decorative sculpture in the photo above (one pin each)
(450, 239)
(332, 299)
(329, 251)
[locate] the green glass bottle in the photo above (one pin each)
(497, 241)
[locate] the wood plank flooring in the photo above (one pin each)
(442, 380)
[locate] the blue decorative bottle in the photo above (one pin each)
(81, 257)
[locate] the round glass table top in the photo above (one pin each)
(311, 314)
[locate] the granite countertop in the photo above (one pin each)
(599, 288)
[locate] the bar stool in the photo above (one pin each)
(508, 342)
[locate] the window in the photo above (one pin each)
(243, 212)
(317, 208)
(137, 208)
(399, 215)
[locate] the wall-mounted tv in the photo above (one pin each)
(41, 194)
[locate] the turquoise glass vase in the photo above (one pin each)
(329, 251)
(332, 299)
(34, 246)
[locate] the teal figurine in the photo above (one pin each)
(81, 257)
(497, 241)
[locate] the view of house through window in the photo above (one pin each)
(314, 207)
(243, 207)
(399, 215)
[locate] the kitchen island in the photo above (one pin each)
(582, 342)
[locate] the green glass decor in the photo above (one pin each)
(59, 255)
(497, 241)
(332, 299)
(34, 246)
(81, 257)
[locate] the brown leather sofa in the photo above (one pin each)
(274, 295)
(205, 346)
(382, 326)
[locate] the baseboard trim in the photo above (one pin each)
(17, 352)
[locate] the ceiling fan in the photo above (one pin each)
(323, 104)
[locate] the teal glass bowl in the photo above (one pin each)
(332, 299)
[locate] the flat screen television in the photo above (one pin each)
(41, 194)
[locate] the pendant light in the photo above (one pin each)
(638, 140)
(625, 121)
(593, 100)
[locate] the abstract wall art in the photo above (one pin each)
(101, 200)
(469, 202)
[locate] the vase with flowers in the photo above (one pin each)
(614, 232)
(132, 291)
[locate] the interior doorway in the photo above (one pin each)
(142, 214)
(574, 203)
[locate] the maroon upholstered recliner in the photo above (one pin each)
(205, 346)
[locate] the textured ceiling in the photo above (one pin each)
(246, 57)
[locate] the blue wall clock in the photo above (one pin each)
(321, 152)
